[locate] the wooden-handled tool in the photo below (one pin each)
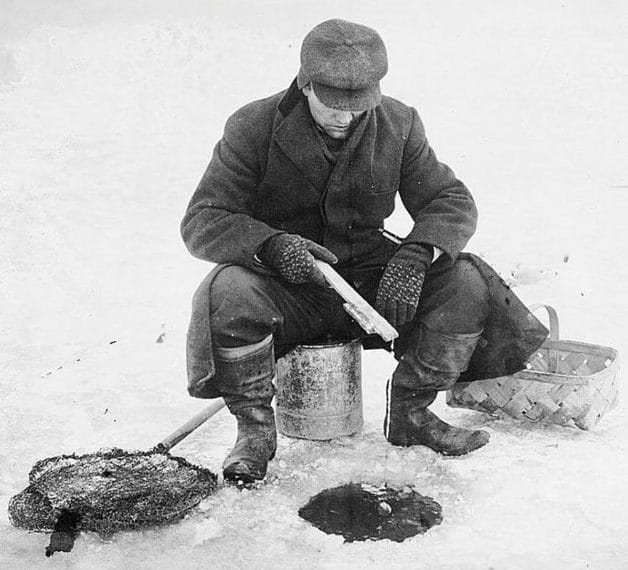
(357, 307)
(186, 429)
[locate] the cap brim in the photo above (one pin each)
(356, 100)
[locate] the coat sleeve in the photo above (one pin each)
(441, 206)
(219, 224)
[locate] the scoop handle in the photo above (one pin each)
(187, 428)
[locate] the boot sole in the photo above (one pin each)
(234, 475)
(409, 442)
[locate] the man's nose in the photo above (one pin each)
(343, 117)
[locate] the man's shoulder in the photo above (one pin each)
(258, 113)
(395, 106)
(397, 113)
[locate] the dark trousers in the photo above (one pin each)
(246, 307)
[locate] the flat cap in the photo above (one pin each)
(344, 62)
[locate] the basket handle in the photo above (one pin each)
(554, 333)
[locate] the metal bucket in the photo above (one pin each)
(319, 391)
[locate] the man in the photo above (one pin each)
(312, 172)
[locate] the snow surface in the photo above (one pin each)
(108, 114)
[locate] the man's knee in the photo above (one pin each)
(468, 282)
(456, 299)
(241, 310)
(234, 284)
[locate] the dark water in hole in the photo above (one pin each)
(358, 511)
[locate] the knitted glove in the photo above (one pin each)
(293, 258)
(400, 286)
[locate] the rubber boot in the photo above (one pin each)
(245, 376)
(434, 362)
(255, 445)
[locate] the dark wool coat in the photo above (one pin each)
(269, 174)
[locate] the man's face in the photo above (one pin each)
(337, 124)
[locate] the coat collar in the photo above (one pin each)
(296, 136)
(291, 97)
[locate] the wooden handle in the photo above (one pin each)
(553, 319)
(554, 333)
(365, 315)
(187, 428)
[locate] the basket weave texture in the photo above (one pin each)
(563, 381)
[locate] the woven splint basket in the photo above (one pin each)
(563, 381)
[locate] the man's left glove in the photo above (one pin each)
(293, 258)
(400, 287)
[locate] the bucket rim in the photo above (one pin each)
(329, 344)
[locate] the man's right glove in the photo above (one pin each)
(293, 258)
(400, 287)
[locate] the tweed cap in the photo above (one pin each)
(344, 62)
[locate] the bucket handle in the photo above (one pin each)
(554, 333)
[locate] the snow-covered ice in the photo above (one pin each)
(108, 114)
